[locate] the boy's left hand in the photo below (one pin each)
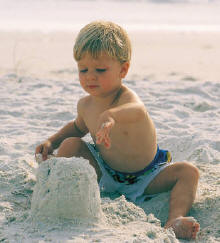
(103, 134)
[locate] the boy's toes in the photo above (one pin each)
(184, 227)
(196, 228)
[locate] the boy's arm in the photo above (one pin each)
(127, 113)
(71, 129)
(129, 109)
(131, 112)
(76, 128)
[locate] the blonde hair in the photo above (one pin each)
(103, 36)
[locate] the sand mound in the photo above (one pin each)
(68, 189)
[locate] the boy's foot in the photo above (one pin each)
(184, 227)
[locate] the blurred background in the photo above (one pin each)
(50, 15)
(171, 39)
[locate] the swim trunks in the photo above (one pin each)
(131, 185)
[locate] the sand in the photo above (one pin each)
(178, 81)
(66, 189)
(157, 55)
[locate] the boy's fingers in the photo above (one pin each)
(98, 134)
(105, 140)
(45, 153)
(98, 139)
(102, 136)
(38, 150)
(107, 144)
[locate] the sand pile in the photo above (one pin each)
(67, 189)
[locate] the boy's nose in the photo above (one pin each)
(91, 76)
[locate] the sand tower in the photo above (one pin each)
(66, 188)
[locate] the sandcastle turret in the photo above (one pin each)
(66, 188)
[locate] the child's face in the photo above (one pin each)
(101, 76)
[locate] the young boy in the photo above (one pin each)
(125, 154)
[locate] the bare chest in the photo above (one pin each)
(91, 117)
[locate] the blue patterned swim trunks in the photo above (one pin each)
(132, 185)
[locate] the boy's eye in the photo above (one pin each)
(83, 70)
(101, 70)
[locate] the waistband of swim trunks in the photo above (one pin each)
(140, 172)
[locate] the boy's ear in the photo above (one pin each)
(124, 69)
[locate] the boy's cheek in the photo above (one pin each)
(82, 81)
(80, 76)
(107, 83)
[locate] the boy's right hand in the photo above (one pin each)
(105, 124)
(45, 149)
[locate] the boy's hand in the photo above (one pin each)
(45, 149)
(103, 134)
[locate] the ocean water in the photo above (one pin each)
(71, 15)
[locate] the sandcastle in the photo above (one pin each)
(66, 188)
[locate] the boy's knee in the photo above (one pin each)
(72, 141)
(188, 170)
(70, 146)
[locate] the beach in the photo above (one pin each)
(179, 56)
(176, 74)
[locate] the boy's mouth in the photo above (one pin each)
(92, 86)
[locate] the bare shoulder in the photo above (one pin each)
(81, 106)
(129, 96)
(83, 103)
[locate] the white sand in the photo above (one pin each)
(38, 92)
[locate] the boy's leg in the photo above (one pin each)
(182, 179)
(76, 147)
